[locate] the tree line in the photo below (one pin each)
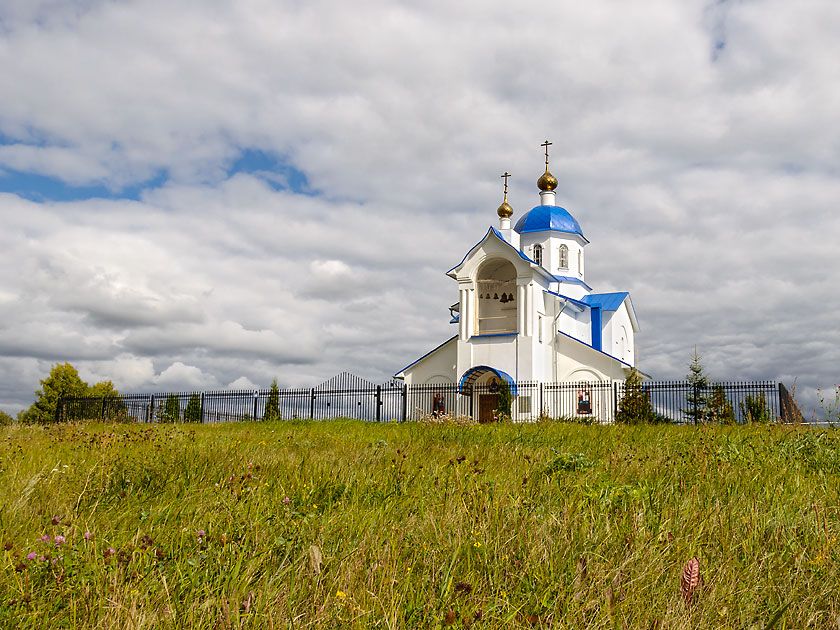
(702, 405)
(64, 381)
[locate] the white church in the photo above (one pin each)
(525, 311)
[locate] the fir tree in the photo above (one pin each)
(272, 405)
(696, 397)
(635, 407)
(720, 410)
(193, 411)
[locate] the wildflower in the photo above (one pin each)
(340, 594)
(110, 551)
(59, 540)
(45, 538)
(56, 520)
(201, 534)
(476, 544)
(8, 546)
(286, 500)
(88, 535)
(31, 555)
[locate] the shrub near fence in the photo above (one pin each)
(347, 395)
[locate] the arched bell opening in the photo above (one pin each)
(496, 284)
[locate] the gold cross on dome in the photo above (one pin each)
(505, 177)
(546, 144)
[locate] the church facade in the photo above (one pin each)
(525, 311)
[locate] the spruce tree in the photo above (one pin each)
(193, 411)
(696, 397)
(272, 405)
(635, 407)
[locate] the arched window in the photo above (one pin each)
(580, 262)
(564, 257)
(538, 254)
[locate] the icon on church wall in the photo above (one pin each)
(584, 404)
(438, 405)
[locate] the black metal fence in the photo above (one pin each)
(347, 395)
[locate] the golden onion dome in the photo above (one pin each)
(505, 211)
(547, 181)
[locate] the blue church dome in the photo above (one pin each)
(542, 218)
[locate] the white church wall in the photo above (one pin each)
(569, 289)
(623, 338)
(437, 367)
(577, 362)
(497, 352)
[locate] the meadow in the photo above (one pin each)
(343, 524)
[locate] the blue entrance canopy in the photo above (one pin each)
(474, 373)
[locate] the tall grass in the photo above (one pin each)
(349, 524)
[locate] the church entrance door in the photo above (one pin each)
(487, 405)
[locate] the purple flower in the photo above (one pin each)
(88, 535)
(59, 540)
(110, 551)
(31, 555)
(286, 500)
(201, 534)
(45, 538)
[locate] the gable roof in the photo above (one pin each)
(494, 232)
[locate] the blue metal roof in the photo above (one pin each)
(542, 218)
(606, 301)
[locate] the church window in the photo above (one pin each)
(538, 254)
(580, 262)
(564, 257)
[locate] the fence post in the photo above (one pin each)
(405, 402)
(201, 408)
(540, 413)
(58, 409)
(256, 398)
(151, 407)
(102, 409)
(312, 404)
(615, 400)
(379, 403)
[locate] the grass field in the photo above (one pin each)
(347, 524)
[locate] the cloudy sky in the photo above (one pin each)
(210, 193)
